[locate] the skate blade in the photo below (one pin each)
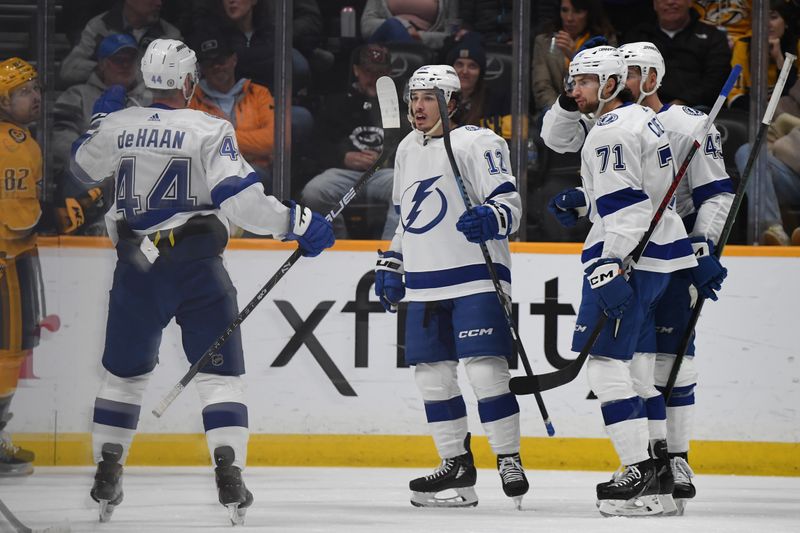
(518, 502)
(669, 505)
(236, 514)
(635, 507)
(106, 510)
(680, 504)
(20, 470)
(464, 497)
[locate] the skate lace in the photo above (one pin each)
(442, 469)
(510, 469)
(7, 447)
(681, 470)
(630, 475)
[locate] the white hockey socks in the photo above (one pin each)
(224, 414)
(497, 406)
(642, 368)
(116, 412)
(444, 406)
(680, 409)
(624, 412)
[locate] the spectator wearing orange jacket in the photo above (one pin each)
(246, 104)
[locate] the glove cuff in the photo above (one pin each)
(390, 261)
(503, 217)
(299, 220)
(603, 271)
(702, 247)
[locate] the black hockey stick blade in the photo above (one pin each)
(521, 385)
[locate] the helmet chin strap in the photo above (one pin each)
(188, 97)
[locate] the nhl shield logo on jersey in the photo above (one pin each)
(420, 208)
(692, 111)
(17, 134)
(606, 119)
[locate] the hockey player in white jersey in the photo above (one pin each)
(180, 179)
(453, 313)
(703, 200)
(626, 168)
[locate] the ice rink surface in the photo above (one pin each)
(183, 499)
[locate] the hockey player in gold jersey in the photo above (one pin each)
(20, 288)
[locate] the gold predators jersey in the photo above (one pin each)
(21, 175)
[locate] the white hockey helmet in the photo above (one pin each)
(603, 61)
(646, 56)
(166, 63)
(442, 77)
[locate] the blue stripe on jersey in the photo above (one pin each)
(673, 250)
(622, 410)
(231, 186)
(593, 252)
(454, 276)
(451, 409)
(116, 414)
(498, 407)
(148, 219)
(656, 409)
(681, 396)
(619, 199)
(224, 414)
(503, 188)
(704, 192)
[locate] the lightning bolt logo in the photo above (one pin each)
(422, 192)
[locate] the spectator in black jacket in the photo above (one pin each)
(697, 56)
(350, 140)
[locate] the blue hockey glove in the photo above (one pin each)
(707, 276)
(389, 287)
(112, 99)
(593, 42)
(608, 283)
(568, 206)
(484, 222)
(312, 231)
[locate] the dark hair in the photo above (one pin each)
(597, 22)
(626, 95)
(788, 12)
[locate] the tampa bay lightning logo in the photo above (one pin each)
(424, 209)
(692, 111)
(608, 118)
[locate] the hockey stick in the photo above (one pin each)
(19, 527)
(688, 333)
(551, 380)
(390, 118)
(504, 303)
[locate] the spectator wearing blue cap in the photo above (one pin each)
(117, 64)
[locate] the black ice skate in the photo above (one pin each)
(515, 484)
(233, 493)
(634, 492)
(684, 489)
(107, 488)
(666, 481)
(14, 461)
(456, 473)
